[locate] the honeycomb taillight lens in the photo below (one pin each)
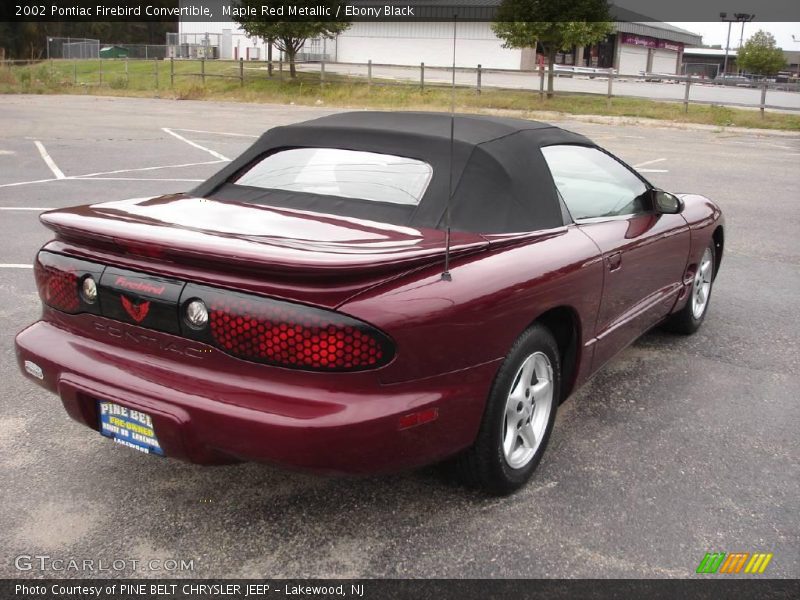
(62, 282)
(58, 289)
(288, 334)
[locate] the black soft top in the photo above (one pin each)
(501, 183)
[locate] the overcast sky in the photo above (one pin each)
(716, 33)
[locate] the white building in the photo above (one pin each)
(633, 48)
(415, 42)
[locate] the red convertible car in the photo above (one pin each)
(301, 307)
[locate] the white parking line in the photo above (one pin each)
(15, 266)
(247, 135)
(91, 176)
(196, 145)
(192, 164)
(38, 209)
(752, 143)
(649, 162)
(4, 185)
(49, 161)
(134, 179)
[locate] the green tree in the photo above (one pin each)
(760, 55)
(557, 25)
(289, 36)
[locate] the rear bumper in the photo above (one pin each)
(221, 409)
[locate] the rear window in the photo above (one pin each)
(345, 173)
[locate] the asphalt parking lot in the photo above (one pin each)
(679, 447)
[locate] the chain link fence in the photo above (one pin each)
(701, 70)
(187, 46)
(73, 48)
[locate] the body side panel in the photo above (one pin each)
(645, 257)
(703, 217)
(491, 300)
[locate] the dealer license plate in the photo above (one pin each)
(128, 427)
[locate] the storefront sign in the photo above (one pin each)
(674, 46)
(638, 40)
(648, 42)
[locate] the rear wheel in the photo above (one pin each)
(691, 316)
(519, 416)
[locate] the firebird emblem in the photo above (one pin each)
(137, 311)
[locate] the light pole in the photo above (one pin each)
(724, 17)
(744, 18)
(739, 18)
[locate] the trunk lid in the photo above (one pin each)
(281, 244)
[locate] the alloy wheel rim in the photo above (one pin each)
(528, 408)
(702, 285)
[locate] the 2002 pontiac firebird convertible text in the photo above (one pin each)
(293, 309)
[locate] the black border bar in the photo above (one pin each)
(702, 587)
(382, 10)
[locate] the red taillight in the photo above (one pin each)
(59, 280)
(58, 286)
(243, 325)
(291, 335)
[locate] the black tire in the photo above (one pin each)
(684, 321)
(484, 464)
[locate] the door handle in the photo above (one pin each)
(614, 261)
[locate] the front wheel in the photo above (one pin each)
(691, 316)
(519, 416)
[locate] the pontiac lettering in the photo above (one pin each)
(143, 339)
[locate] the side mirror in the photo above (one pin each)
(666, 203)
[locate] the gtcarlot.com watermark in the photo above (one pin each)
(51, 564)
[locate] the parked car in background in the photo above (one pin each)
(737, 80)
